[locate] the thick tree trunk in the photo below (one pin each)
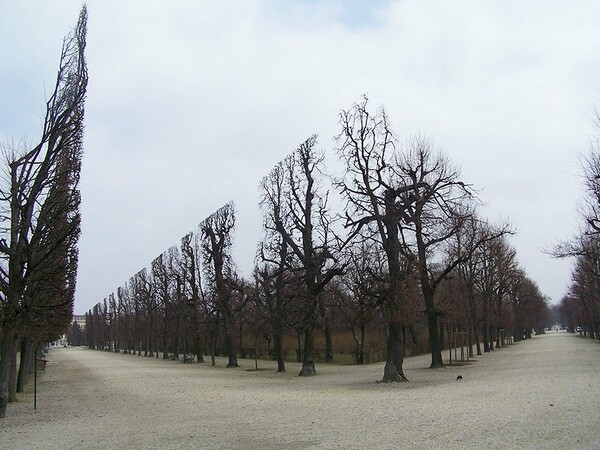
(486, 336)
(360, 344)
(470, 339)
(230, 350)
(308, 362)
(23, 369)
(7, 348)
(517, 332)
(413, 334)
(12, 381)
(213, 348)
(199, 355)
(24, 364)
(299, 347)
(434, 340)
(176, 349)
(361, 348)
(498, 337)
(395, 358)
(278, 348)
(165, 354)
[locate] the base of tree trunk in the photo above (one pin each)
(307, 371)
(394, 378)
(437, 365)
(233, 365)
(392, 371)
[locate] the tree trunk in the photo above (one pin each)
(486, 336)
(393, 364)
(308, 362)
(413, 334)
(328, 344)
(230, 350)
(278, 348)
(486, 326)
(25, 365)
(165, 354)
(12, 380)
(213, 348)
(498, 337)
(434, 339)
(7, 349)
(199, 355)
(176, 348)
(361, 348)
(359, 353)
(299, 348)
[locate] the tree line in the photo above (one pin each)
(40, 223)
(579, 310)
(405, 254)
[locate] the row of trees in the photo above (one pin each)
(39, 223)
(580, 308)
(407, 252)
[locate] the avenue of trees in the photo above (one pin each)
(40, 223)
(390, 257)
(403, 261)
(579, 310)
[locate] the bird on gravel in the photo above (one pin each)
(458, 378)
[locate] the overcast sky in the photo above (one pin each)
(190, 103)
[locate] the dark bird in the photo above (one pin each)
(458, 378)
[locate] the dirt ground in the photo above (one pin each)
(541, 393)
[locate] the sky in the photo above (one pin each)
(191, 103)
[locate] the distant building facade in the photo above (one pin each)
(80, 319)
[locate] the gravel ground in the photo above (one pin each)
(542, 393)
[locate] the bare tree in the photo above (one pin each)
(272, 273)
(162, 278)
(434, 208)
(469, 240)
(191, 265)
(216, 247)
(27, 196)
(582, 306)
(359, 292)
(306, 233)
(367, 145)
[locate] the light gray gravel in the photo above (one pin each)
(542, 393)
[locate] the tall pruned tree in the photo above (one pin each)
(367, 146)
(216, 232)
(191, 267)
(581, 307)
(39, 205)
(297, 212)
(434, 208)
(468, 273)
(163, 291)
(272, 272)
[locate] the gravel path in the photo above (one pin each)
(542, 393)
